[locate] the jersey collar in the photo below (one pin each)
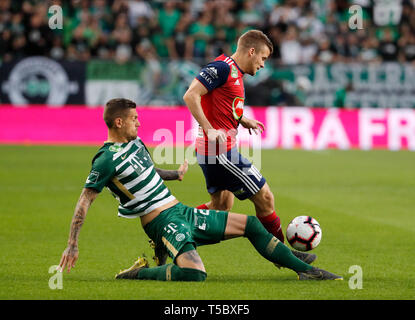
(235, 64)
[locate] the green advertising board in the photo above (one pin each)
(350, 85)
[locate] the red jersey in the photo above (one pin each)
(223, 104)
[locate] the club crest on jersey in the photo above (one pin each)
(238, 107)
(234, 72)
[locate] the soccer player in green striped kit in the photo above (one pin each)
(124, 165)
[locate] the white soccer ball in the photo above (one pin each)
(303, 233)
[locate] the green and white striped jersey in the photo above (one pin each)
(127, 170)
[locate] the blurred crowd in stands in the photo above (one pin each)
(303, 31)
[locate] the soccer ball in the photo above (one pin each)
(304, 233)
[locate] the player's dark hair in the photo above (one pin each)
(117, 108)
(255, 39)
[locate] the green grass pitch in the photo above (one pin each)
(364, 201)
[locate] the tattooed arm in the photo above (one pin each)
(174, 174)
(70, 255)
(168, 174)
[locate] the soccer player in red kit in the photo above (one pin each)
(216, 98)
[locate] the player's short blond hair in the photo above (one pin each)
(255, 39)
(117, 108)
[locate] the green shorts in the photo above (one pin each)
(181, 225)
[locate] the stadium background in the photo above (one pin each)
(149, 51)
(156, 48)
(326, 86)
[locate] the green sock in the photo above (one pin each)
(270, 247)
(171, 272)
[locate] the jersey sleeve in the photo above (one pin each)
(101, 173)
(214, 74)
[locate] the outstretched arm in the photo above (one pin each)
(70, 255)
(174, 174)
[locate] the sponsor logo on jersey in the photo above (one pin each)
(205, 76)
(93, 177)
(237, 82)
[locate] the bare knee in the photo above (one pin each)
(268, 198)
(225, 205)
(235, 225)
(264, 201)
(222, 201)
(190, 259)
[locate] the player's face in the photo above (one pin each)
(130, 125)
(258, 59)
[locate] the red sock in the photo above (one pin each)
(273, 225)
(202, 206)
